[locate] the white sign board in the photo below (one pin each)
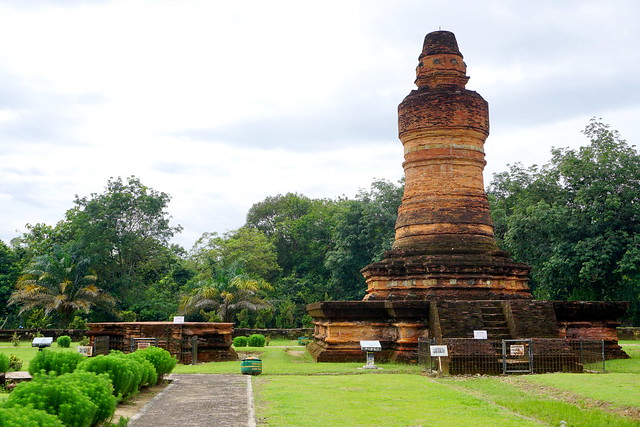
(85, 350)
(480, 335)
(42, 342)
(439, 351)
(370, 345)
(516, 350)
(178, 319)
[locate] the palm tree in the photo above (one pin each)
(226, 294)
(59, 284)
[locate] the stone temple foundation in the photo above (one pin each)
(445, 275)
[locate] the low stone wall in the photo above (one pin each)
(28, 334)
(288, 334)
(628, 333)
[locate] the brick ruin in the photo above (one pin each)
(208, 342)
(445, 275)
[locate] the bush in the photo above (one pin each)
(125, 374)
(61, 362)
(4, 363)
(15, 364)
(64, 341)
(240, 341)
(55, 397)
(23, 417)
(96, 387)
(78, 323)
(149, 375)
(160, 358)
(84, 340)
(256, 340)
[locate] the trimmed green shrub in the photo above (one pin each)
(4, 363)
(84, 340)
(160, 358)
(64, 341)
(256, 340)
(59, 362)
(27, 417)
(149, 375)
(240, 341)
(96, 387)
(124, 373)
(55, 397)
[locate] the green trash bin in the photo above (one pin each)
(251, 366)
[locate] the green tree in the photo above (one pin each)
(264, 317)
(298, 227)
(576, 220)
(126, 231)
(248, 247)
(227, 293)
(364, 229)
(9, 273)
(285, 317)
(60, 284)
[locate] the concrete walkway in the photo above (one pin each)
(200, 400)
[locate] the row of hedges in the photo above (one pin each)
(288, 334)
(255, 340)
(70, 390)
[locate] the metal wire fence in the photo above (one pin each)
(492, 357)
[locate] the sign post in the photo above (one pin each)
(370, 347)
(439, 351)
(42, 342)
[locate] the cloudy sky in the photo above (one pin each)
(223, 103)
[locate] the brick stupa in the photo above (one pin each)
(445, 276)
(444, 245)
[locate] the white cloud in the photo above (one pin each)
(221, 104)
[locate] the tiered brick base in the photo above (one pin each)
(403, 275)
(341, 325)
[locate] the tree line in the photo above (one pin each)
(575, 220)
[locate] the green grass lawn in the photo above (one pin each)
(538, 404)
(283, 342)
(372, 400)
(289, 361)
(294, 390)
(617, 389)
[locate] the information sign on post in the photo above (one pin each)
(439, 351)
(42, 342)
(370, 347)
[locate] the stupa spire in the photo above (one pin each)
(441, 62)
